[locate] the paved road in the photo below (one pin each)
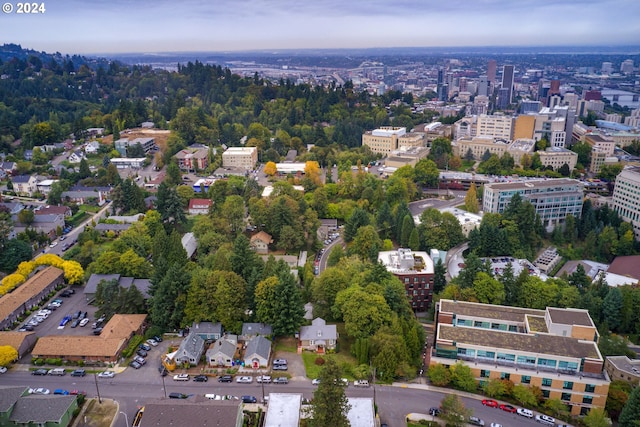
(132, 389)
(327, 250)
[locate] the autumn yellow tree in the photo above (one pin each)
(73, 272)
(26, 268)
(270, 168)
(312, 172)
(471, 199)
(49, 259)
(8, 354)
(10, 282)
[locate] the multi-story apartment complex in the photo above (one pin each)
(556, 157)
(553, 199)
(386, 139)
(626, 197)
(554, 349)
(192, 159)
(121, 145)
(415, 270)
(495, 125)
(240, 157)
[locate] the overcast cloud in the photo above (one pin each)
(115, 26)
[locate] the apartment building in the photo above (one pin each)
(240, 157)
(554, 349)
(192, 159)
(557, 156)
(387, 139)
(553, 199)
(626, 197)
(415, 270)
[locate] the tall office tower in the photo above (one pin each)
(462, 84)
(483, 86)
(627, 66)
(443, 94)
(607, 68)
(625, 197)
(492, 66)
(507, 81)
(554, 88)
(503, 100)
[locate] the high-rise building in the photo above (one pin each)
(507, 80)
(554, 87)
(492, 67)
(607, 68)
(626, 200)
(483, 86)
(627, 66)
(415, 270)
(503, 99)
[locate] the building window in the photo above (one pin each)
(525, 379)
(507, 357)
(486, 354)
(589, 388)
(565, 397)
(546, 362)
(484, 373)
(546, 382)
(526, 360)
(505, 376)
(545, 394)
(568, 385)
(587, 399)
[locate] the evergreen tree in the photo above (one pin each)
(510, 285)
(631, 412)
(243, 259)
(407, 227)
(612, 307)
(401, 211)
(439, 277)
(358, 218)
(288, 305)
(471, 199)
(414, 240)
(330, 406)
(84, 171)
(384, 220)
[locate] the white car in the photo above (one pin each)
(39, 390)
(3, 369)
(263, 379)
(181, 377)
(106, 374)
(316, 381)
(245, 380)
(525, 412)
(496, 425)
(84, 322)
(53, 244)
(152, 342)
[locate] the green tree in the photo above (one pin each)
(234, 210)
(14, 252)
(357, 219)
(439, 375)
(330, 406)
(325, 288)
(84, 171)
(488, 290)
(525, 396)
(174, 176)
(363, 312)
(462, 378)
(407, 227)
(619, 392)
(336, 254)
(612, 307)
(427, 173)
(597, 417)
(557, 407)
(454, 412)
(495, 388)
(414, 240)
(229, 300)
(439, 276)
(289, 306)
(366, 243)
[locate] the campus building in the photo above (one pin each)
(554, 349)
(556, 157)
(553, 199)
(240, 157)
(415, 270)
(626, 197)
(386, 139)
(192, 159)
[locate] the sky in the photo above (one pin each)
(123, 26)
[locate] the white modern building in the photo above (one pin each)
(626, 197)
(240, 157)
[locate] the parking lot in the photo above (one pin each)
(70, 305)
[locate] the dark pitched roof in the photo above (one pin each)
(626, 266)
(92, 284)
(9, 396)
(112, 227)
(191, 412)
(21, 178)
(41, 409)
(249, 329)
(258, 345)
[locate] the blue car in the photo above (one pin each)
(61, 391)
(65, 320)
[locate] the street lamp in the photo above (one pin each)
(126, 419)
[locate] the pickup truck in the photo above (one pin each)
(361, 383)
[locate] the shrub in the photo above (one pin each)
(319, 361)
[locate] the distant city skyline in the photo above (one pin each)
(121, 26)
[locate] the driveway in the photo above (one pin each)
(295, 364)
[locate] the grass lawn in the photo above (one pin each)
(90, 208)
(286, 344)
(343, 359)
(425, 423)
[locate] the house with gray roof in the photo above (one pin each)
(190, 350)
(82, 195)
(250, 330)
(43, 410)
(25, 185)
(318, 337)
(91, 287)
(257, 352)
(195, 411)
(13, 207)
(208, 331)
(9, 395)
(222, 353)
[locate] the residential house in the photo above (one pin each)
(8, 167)
(92, 147)
(14, 209)
(260, 242)
(77, 156)
(257, 352)
(28, 155)
(45, 224)
(208, 331)
(23, 342)
(28, 295)
(318, 337)
(106, 347)
(199, 206)
(222, 353)
(250, 330)
(18, 408)
(44, 186)
(86, 195)
(91, 287)
(190, 244)
(25, 185)
(196, 411)
(65, 211)
(190, 350)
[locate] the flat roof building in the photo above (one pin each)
(244, 158)
(626, 197)
(415, 270)
(553, 199)
(283, 410)
(554, 349)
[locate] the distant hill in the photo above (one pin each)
(10, 51)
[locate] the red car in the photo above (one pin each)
(508, 408)
(490, 402)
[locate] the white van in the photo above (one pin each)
(525, 412)
(58, 371)
(545, 419)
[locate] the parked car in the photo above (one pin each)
(3, 369)
(39, 390)
(434, 411)
(77, 392)
(145, 347)
(316, 381)
(152, 342)
(158, 338)
(39, 372)
(361, 383)
(476, 421)
(225, 379)
(508, 408)
(57, 371)
(78, 373)
(75, 323)
(201, 378)
(281, 380)
(244, 380)
(135, 365)
(490, 402)
(77, 314)
(140, 360)
(280, 367)
(141, 352)
(496, 425)
(97, 331)
(280, 362)
(545, 419)
(248, 399)
(181, 377)
(263, 379)
(178, 396)
(84, 322)
(525, 412)
(106, 374)
(61, 391)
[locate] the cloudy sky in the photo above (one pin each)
(118, 26)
